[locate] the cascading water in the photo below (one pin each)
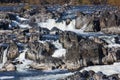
(60, 25)
(22, 55)
(5, 56)
(24, 61)
(60, 52)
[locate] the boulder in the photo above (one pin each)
(98, 76)
(8, 66)
(85, 53)
(41, 66)
(68, 21)
(13, 51)
(3, 69)
(81, 20)
(112, 56)
(55, 31)
(67, 38)
(44, 30)
(38, 51)
(47, 63)
(113, 77)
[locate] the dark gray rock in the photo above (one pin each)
(56, 31)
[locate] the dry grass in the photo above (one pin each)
(112, 2)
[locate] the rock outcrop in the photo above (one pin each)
(48, 63)
(38, 51)
(91, 75)
(13, 51)
(8, 66)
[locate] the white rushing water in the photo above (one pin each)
(60, 52)
(25, 62)
(50, 23)
(106, 69)
(5, 56)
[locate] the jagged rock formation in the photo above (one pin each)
(91, 75)
(38, 51)
(13, 51)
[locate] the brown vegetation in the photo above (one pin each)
(75, 2)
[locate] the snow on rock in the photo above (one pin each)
(106, 69)
(60, 52)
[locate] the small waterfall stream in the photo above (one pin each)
(24, 61)
(5, 56)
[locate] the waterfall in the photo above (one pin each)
(25, 62)
(60, 51)
(5, 56)
(22, 55)
(60, 25)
